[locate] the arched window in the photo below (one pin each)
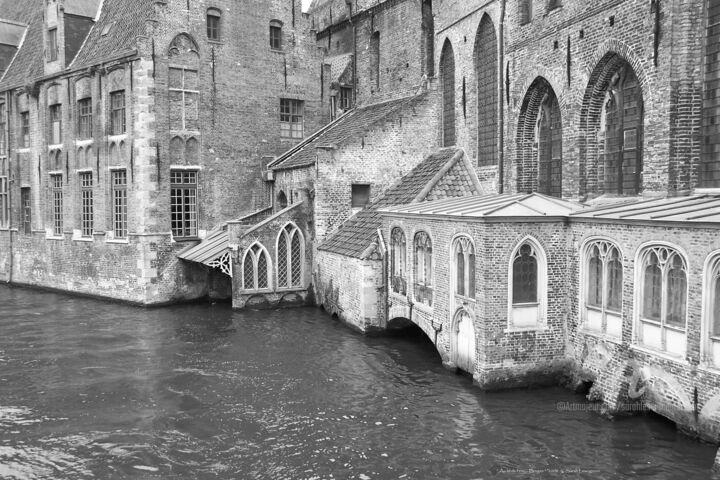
(282, 200)
(603, 288)
(397, 260)
(712, 311)
(213, 24)
(525, 11)
(375, 61)
(464, 262)
(447, 72)
(183, 84)
(423, 269)
(662, 290)
(428, 38)
(256, 268)
(528, 285)
(290, 257)
(486, 71)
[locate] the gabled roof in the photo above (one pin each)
(339, 66)
(121, 21)
(28, 61)
(497, 205)
(692, 209)
(358, 232)
(350, 125)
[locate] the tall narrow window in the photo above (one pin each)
(423, 269)
(663, 300)
(183, 203)
(3, 129)
(291, 118)
(55, 124)
(360, 195)
(213, 24)
(24, 139)
(57, 205)
(549, 140)
(710, 172)
(525, 7)
(375, 69)
(290, 257)
(276, 35)
(117, 112)
(464, 257)
(52, 45)
(26, 209)
(4, 203)
(345, 98)
(256, 268)
(603, 288)
(398, 269)
(528, 271)
(486, 72)
(712, 312)
(119, 203)
(553, 4)
(447, 73)
(85, 118)
(86, 197)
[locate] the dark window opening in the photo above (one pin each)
(213, 24)
(360, 195)
(275, 35)
(291, 118)
(52, 45)
(85, 118)
(117, 112)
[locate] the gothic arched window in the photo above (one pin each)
(256, 268)
(423, 269)
(464, 262)
(290, 257)
(603, 288)
(528, 285)
(712, 312)
(397, 260)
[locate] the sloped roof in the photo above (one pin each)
(358, 232)
(353, 123)
(124, 21)
(497, 205)
(339, 64)
(692, 209)
(28, 62)
(211, 247)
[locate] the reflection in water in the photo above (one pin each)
(99, 390)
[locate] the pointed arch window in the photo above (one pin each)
(662, 300)
(256, 268)
(447, 74)
(527, 286)
(423, 269)
(603, 288)
(712, 312)
(398, 261)
(464, 262)
(290, 257)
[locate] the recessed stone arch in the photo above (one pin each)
(447, 75)
(611, 128)
(539, 141)
(486, 72)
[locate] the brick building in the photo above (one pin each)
(142, 127)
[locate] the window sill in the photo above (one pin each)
(256, 292)
(290, 289)
(535, 328)
(277, 50)
(423, 307)
(119, 241)
(660, 354)
(215, 42)
(600, 335)
(55, 146)
(83, 239)
(84, 142)
(54, 237)
(23, 150)
(117, 138)
(186, 239)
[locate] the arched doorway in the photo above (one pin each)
(611, 122)
(464, 342)
(447, 71)
(539, 141)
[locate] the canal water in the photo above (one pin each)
(92, 389)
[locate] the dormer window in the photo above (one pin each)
(213, 24)
(52, 45)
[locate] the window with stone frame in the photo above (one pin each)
(118, 179)
(183, 203)
(87, 207)
(398, 269)
(26, 210)
(24, 138)
(464, 263)
(291, 118)
(528, 285)
(57, 204)
(290, 257)
(85, 118)
(52, 45)
(3, 129)
(4, 202)
(447, 76)
(345, 102)
(711, 294)
(213, 24)
(423, 287)
(55, 124)
(662, 298)
(360, 195)
(256, 268)
(117, 113)
(183, 84)
(603, 288)
(276, 35)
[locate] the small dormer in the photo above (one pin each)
(67, 23)
(11, 35)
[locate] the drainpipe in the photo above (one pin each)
(501, 109)
(8, 149)
(354, 66)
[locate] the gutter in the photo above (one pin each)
(501, 109)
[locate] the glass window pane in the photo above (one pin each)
(595, 275)
(614, 282)
(525, 277)
(652, 289)
(676, 293)
(460, 267)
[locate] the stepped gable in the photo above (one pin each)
(336, 133)
(359, 231)
(28, 62)
(119, 24)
